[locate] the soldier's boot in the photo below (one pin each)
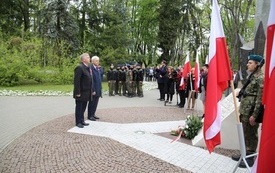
(238, 156)
(250, 162)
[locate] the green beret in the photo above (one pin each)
(257, 58)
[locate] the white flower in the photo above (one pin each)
(181, 127)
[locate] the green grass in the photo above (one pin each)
(46, 87)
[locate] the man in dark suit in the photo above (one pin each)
(162, 79)
(96, 88)
(82, 89)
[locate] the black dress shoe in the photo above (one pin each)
(80, 125)
(236, 157)
(250, 162)
(85, 124)
(96, 117)
(91, 118)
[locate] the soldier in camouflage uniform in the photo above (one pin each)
(111, 78)
(134, 86)
(129, 82)
(138, 80)
(117, 80)
(251, 99)
(123, 80)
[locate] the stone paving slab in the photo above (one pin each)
(185, 156)
(34, 137)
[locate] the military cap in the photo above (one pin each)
(257, 58)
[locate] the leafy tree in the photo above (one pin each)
(238, 17)
(59, 27)
(144, 26)
(169, 24)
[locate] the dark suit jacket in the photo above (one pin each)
(82, 83)
(204, 78)
(97, 81)
(162, 71)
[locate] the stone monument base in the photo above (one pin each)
(229, 134)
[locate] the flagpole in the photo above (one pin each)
(235, 101)
(190, 94)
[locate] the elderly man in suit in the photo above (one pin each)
(97, 78)
(82, 89)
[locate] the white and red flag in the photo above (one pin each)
(219, 73)
(197, 73)
(186, 69)
(267, 143)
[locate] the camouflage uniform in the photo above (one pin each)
(123, 80)
(249, 106)
(129, 82)
(138, 78)
(117, 80)
(111, 78)
(134, 86)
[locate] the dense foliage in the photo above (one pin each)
(41, 40)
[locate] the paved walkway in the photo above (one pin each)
(31, 124)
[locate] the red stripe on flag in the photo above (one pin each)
(187, 67)
(186, 70)
(267, 142)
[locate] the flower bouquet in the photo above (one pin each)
(191, 128)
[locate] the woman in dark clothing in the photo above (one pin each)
(170, 85)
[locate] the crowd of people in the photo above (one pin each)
(125, 80)
(128, 81)
(171, 81)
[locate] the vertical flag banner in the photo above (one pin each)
(197, 73)
(267, 143)
(186, 69)
(219, 73)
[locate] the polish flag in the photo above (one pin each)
(267, 142)
(197, 73)
(186, 69)
(219, 73)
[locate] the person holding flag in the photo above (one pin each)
(191, 89)
(182, 76)
(181, 87)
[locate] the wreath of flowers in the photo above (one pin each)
(191, 128)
